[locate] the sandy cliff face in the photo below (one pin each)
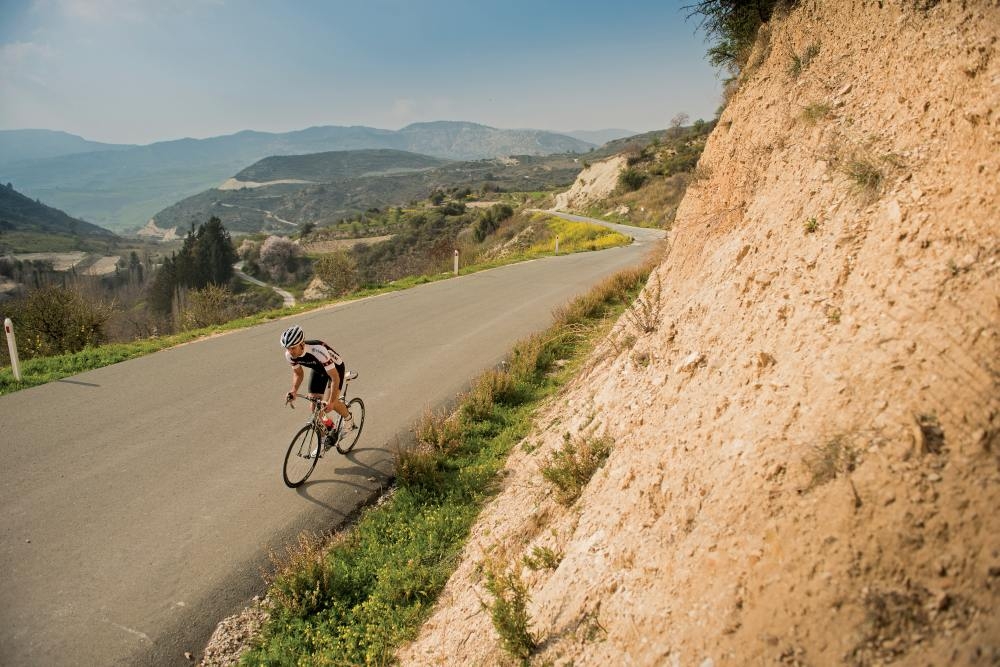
(806, 466)
(594, 183)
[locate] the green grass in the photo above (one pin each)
(356, 599)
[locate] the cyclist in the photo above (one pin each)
(327, 378)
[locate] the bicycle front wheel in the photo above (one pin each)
(350, 438)
(301, 457)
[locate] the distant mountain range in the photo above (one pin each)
(600, 137)
(281, 193)
(120, 186)
(19, 145)
(23, 221)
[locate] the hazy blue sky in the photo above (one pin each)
(138, 71)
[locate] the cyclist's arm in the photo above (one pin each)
(296, 378)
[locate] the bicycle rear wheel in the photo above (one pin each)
(301, 457)
(350, 438)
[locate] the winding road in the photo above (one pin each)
(140, 501)
(286, 297)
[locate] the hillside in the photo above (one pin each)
(806, 450)
(27, 225)
(325, 167)
(285, 205)
(123, 188)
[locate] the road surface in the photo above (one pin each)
(140, 501)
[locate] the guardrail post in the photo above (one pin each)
(456, 261)
(15, 364)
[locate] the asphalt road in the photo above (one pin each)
(140, 501)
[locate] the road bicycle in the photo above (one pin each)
(309, 444)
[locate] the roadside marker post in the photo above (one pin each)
(456, 261)
(557, 245)
(15, 364)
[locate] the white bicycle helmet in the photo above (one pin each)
(292, 336)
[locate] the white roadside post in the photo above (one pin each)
(15, 364)
(557, 245)
(456, 261)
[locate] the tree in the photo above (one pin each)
(206, 258)
(677, 123)
(161, 290)
(733, 24)
(279, 257)
(214, 255)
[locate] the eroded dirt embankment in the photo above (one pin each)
(806, 466)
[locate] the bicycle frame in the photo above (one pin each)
(318, 403)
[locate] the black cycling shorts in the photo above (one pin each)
(319, 381)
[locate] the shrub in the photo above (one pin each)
(631, 179)
(509, 612)
(207, 307)
(55, 320)
(571, 467)
(436, 430)
(865, 173)
(490, 219)
(684, 160)
(494, 386)
(644, 312)
(339, 270)
(419, 468)
(800, 63)
(543, 558)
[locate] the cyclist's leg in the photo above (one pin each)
(318, 383)
(333, 391)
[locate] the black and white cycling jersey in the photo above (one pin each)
(317, 356)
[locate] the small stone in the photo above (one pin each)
(188, 655)
(691, 362)
(846, 89)
(933, 477)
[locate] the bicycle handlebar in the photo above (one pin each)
(288, 399)
(350, 375)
